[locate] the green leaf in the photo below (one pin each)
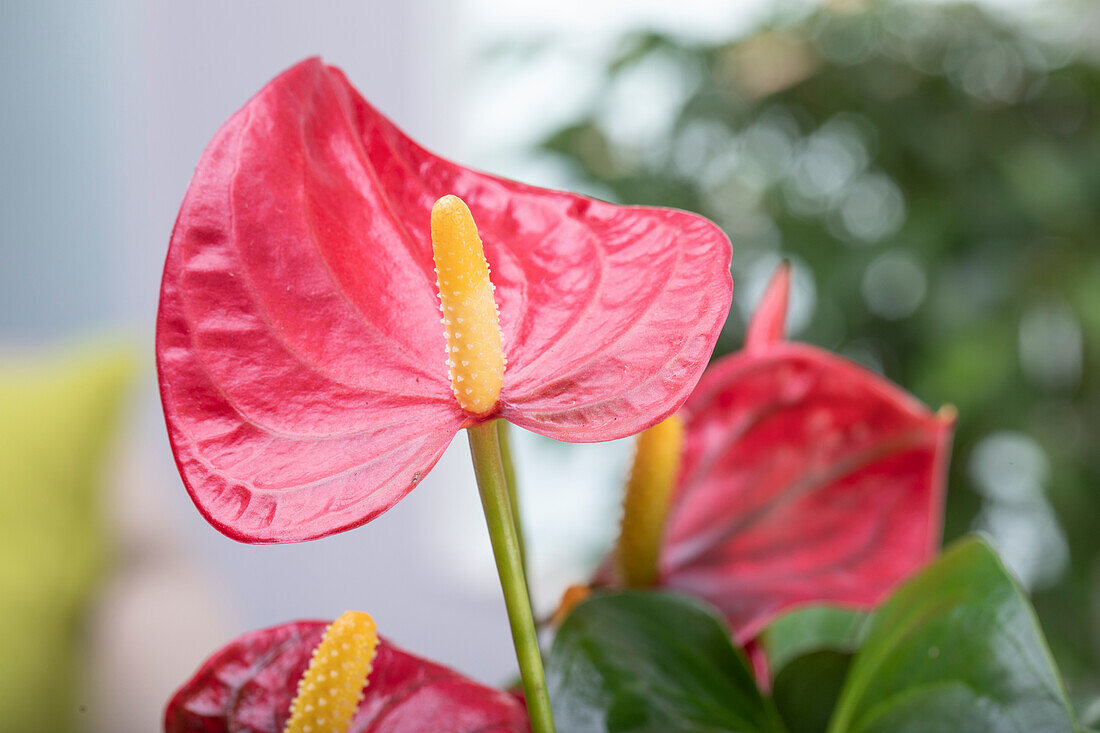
(655, 662)
(806, 690)
(809, 651)
(956, 648)
(1089, 713)
(810, 629)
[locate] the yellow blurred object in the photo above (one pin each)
(58, 419)
(331, 689)
(653, 476)
(470, 314)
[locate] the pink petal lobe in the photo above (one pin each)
(297, 381)
(806, 478)
(769, 320)
(619, 331)
(248, 686)
(299, 346)
(608, 313)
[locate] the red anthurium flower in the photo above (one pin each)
(804, 478)
(303, 366)
(252, 684)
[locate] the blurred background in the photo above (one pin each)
(931, 169)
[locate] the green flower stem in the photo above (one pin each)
(513, 491)
(489, 470)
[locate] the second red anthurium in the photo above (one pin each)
(314, 677)
(796, 477)
(310, 373)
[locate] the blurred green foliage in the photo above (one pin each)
(58, 420)
(933, 171)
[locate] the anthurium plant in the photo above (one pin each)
(339, 676)
(338, 302)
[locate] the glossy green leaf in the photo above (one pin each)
(809, 652)
(811, 629)
(806, 690)
(1088, 713)
(957, 648)
(655, 662)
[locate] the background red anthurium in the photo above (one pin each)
(299, 344)
(248, 687)
(805, 478)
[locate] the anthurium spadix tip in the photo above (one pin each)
(649, 489)
(300, 351)
(470, 315)
(331, 689)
